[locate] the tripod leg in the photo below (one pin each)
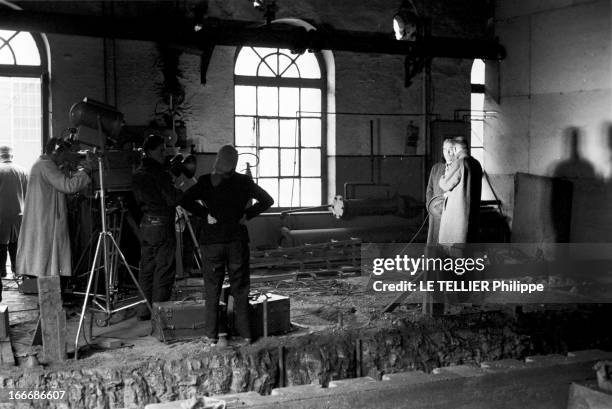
(196, 245)
(87, 291)
(127, 266)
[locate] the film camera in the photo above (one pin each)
(99, 128)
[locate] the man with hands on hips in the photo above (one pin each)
(225, 238)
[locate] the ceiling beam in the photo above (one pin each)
(180, 33)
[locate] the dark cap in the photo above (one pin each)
(227, 159)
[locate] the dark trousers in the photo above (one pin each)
(11, 249)
(233, 257)
(156, 262)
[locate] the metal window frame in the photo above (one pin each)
(34, 71)
(300, 83)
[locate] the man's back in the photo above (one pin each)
(13, 182)
(226, 202)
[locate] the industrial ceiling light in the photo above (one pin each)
(268, 7)
(406, 22)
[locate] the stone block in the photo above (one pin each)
(464, 371)
(544, 360)
(300, 390)
(200, 402)
(239, 400)
(589, 355)
(412, 377)
(586, 397)
(503, 365)
(352, 383)
(4, 322)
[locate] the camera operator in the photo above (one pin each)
(157, 198)
(44, 240)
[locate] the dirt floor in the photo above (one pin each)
(317, 305)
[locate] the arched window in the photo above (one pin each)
(279, 106)
(477, 111)
(22, 118)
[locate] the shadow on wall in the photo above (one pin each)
(589, 218)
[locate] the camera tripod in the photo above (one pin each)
(184, 222)
(106, 248)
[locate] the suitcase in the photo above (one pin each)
(178, 320)
(269, 314)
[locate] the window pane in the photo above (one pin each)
(311, 132)
(268, 162)
(263, 52)
(478, 154)
(245, 131)
(311, 192)
(289, 102)
(477, 104)
(25, 49)
(309, 66)
(245, 100)
(287, 68)
(477, 133)
(478, 72)
(268, 132)
(290, 162)
(270, 185)
(268, 67)
(20, 118)
(267, 101)
(6, 57)
(311, 162)
(289, 192)
(311, 102)
(288, 133)
(246, 63)
(246, 155)
(291, 72)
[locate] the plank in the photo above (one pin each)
(4, 322)
(53, 319)
(7, 358)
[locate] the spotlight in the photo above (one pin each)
(406, 22)
(268, 7)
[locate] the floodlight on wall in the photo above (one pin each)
(406, 22)
(268, 7)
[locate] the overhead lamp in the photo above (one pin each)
(268, 7)
(406, 22)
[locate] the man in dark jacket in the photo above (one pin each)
(224, 237)
(157, 198)
(13, 183)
